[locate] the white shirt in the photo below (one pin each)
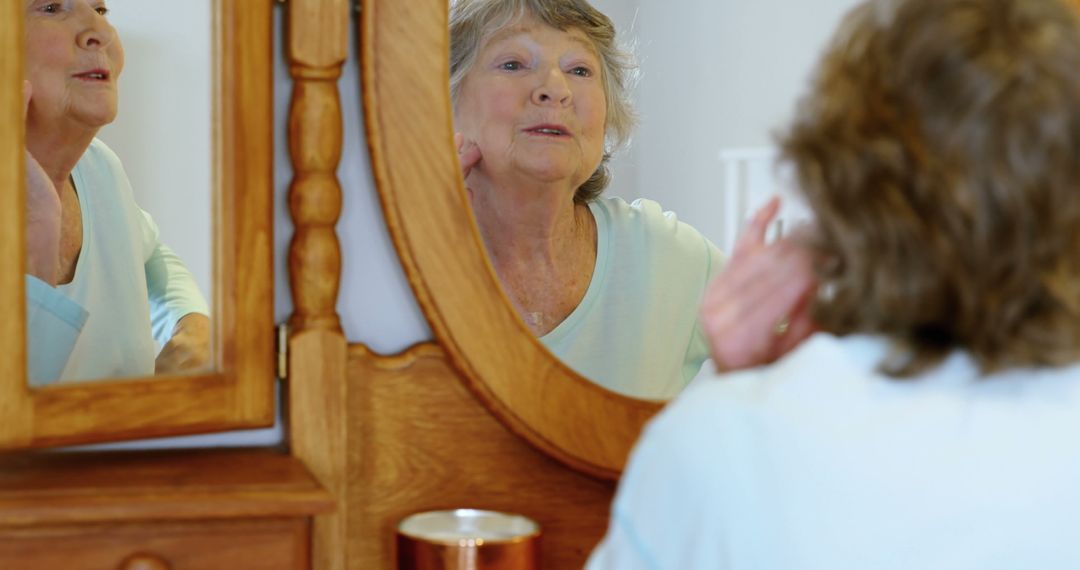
(821, 462)
(128, 292)
(636, 329)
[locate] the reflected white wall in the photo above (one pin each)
(716, 75)
(624, 164)
(163, 130)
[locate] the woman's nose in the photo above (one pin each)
(96, 32)
(553, 89)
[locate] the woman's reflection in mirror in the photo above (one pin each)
(101, 288)
(540, 92)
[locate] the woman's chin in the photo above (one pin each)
(94, 112)
(551, 172)
(96, 118)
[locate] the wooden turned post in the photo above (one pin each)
(318, 39)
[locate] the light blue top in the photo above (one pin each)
(819, 462)
(636, 329)
(100, 325)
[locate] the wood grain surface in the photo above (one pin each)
(16, 409)
(421, 441)
(38, 489)
(255, 544)
(317, 32)
(197, 510)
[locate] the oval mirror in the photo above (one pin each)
(719, 92)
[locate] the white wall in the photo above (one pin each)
(715, 75)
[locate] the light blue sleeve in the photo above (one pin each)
(171, 288)
(53, 323)
(647, 509)
(671, 510)
(622, 549)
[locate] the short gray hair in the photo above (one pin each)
(472, 22)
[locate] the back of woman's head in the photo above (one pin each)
(940, 150)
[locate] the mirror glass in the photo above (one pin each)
(613, 288)
(131, 292)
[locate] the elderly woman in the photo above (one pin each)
(93, 257)
(932, 423)
(540, 100)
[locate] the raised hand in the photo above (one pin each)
(43, 214)
(757, 309)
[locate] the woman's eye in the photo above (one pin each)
(582, 71)
(102, 10)
(51, 8)
(510, 66)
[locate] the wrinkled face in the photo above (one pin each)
(73, 61)
(534, 103)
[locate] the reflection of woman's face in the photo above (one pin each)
(73, 61)
(534, 104)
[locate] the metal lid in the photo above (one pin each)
(468, 527)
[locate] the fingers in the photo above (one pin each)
(802, 232)
(754, 306)
(758, 270)
(800, 326)
(750, 297)
(27, 93)
(469, 158)
(754, 233)
(798, 330)
(468, 153)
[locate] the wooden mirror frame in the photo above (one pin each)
(405, 76)
(239, 392)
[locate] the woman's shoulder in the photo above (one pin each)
(98, 148)
(101, 177)
(640, 212)
(644, 223)
(99, 156)
(729, 400)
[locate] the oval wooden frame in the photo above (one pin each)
(239, 393)
(405, 77)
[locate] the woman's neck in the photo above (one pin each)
(542, 246)
(58, 150)
(527, 223)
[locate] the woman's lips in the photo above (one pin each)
(93, 75)
(548, 131)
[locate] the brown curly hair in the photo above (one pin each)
(940, 150)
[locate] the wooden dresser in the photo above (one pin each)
(189, 510)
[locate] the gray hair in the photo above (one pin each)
(472, 22)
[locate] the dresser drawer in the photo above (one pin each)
(252, 544)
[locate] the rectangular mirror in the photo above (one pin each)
(193, 133)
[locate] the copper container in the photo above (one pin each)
(468, 539)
